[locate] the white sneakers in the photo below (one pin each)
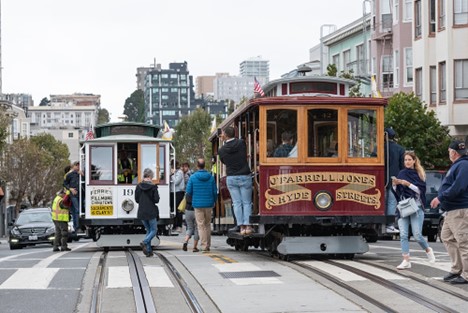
(431, 256)
(404, 265)
(407, 264)
(390, 229)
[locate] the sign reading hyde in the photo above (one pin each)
(291, 191)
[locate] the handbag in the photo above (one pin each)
(407, 207)
(182, 205)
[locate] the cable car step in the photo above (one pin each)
(323, 245)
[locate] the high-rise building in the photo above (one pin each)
(256, 67)
(168, 94)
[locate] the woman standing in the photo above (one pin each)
(411, 183)
(147, 195)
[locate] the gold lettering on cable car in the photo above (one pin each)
(288, 184)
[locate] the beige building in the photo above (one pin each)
(440, 56)
(204, 86)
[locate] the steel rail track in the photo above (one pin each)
(141, 290)
(189, 297)
(98, 284)
(419, 280)
(412, 295)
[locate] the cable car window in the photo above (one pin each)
(162, 164)
(362, 133)
(101, 163)
(322, 132)
(149, 159)
(281, 133)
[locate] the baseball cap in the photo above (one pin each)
(458, 146)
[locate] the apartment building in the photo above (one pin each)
(440, 55)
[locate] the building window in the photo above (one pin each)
(461, 79)
(396, 12)
(417, 19)
(360, 58)
(70, 135)
(347, 60)
(418, 82)
(396, 71)
(441, 14)
(442, 83)
(408, 11)
(432, 17)
(408, 66)
(433, 85)
(387, 72)
(460, 12)
(336, 61)
(385, 15)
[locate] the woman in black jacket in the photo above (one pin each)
(147, 195)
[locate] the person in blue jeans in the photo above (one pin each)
(239, 179)
(411, 183)
(147, 195)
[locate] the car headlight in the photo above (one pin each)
(128, 205)
(50, 230)
(15, 231)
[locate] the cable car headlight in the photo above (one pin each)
(323, 200)
(128, 205)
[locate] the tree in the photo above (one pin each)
(103, 116)
(53, 164)
(191, 137)
(332, 70)
(134, 107)
(5, 121)
(44, 102)
(418, 129)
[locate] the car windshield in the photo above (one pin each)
(37, 217)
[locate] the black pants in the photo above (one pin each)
(61, 234)
(179, 215)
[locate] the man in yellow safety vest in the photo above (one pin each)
(125, 171)
(61, 216)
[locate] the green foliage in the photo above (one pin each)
(134, 107)
(103, 116)
(34, 168)
(4, 123)
(332, 70)
(191, 137)
(418, 129)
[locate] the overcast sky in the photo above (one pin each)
(95, 46)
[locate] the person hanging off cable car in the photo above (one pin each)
(125, 172)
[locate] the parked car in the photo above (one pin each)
(33, 226)
(433, 218)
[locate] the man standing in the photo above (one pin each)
(239, 180)
(453, 198)
(72, 184)
(60, 216)
(125, 171)
(201, 188)
(393, 165)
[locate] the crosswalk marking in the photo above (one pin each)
(30, 278)
(340, 273)
(157, 277)
(118, 277)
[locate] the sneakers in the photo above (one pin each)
(451, 276)
(55, 249)
(65, 249)
(149, 254)
(195, 250)
(390, 229)
(404, 265)
(184, 247)
(143, 247)
(431, 256)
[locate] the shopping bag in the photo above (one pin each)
(182, 205)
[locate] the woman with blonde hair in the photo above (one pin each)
(411, 183)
